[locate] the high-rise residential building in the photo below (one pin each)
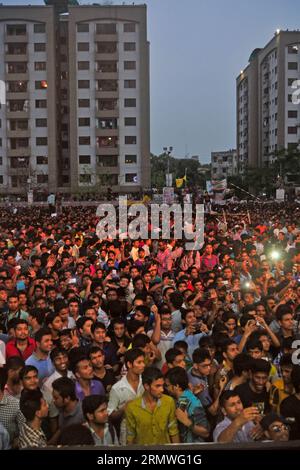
(74, 98)
(224, 164)
(268, 113)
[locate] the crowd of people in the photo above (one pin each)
(118, 342)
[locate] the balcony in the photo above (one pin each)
(21, 77)
(18, 171)
(106, 132)
(18, 133)
(99, 94)
(110, 113)
(17, 114)
(16, 95)
(23, 38)
(106, 75)
(106, 55)
(19, 152)
(107, 150)
(113, 37)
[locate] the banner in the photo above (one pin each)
(168, 196)
(219, 185)
(279, 194)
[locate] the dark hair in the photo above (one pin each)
(171, 354)
(178, 376)
(51, 317)
(27, 369)
(76, 434)
(65, 387)
(14, 363)
(20, 321)
(140, 341)
(98, 325)
(295, 378)
(38, 314)
(151, 374)
(200, 355)
(206, 342)
(133, 325)
(132, 355)
(3, 378)
(91, 403)
(286, 360)
(228, 342)
(40, 333)
(176, 299)
(95, 349)
(254, 343)
(57, 352)
(144, 309)
(283, 310)
(226, 396)
(30, 403)
(81, 321)
(181, 344)
(241, 363)
(260, 365)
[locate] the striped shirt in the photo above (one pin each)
(30, 437)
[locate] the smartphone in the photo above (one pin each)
(183, 404)
(21, 285)
(73, 280)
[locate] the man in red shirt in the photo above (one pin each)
(22, 345)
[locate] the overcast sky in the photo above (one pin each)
(198, 47)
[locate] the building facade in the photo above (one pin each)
(224, 164)
(75, 98)
(268, 117)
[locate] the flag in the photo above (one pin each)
(179, 182)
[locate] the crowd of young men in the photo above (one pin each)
(115, 342)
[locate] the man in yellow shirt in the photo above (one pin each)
(150, 419)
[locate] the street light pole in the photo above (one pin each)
(167, 152)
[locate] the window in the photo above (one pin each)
(107, 160)
(107, 85)
(130, 139)
(107, 141)
(83, 103)
(106, 28)
(41, 85)
(84, 159)
(1, 179)
(292, 130)
(84, 121)
(17, 105)
(106, 66)
(292, 146)
(129, 28)
(20, 143)
(41, 141)
(17, 87)
(293, 114)
(41, 104)
(0, 142)
(83, 84)
(38, 66)
(129, 46)
(39, 47)
(129, 65)
(83, 65)
(106, 47)
(130, 102)
(107, 105)
(39, 28)
(290, 98)
(85, 178)
(83, 46)
(130, 159)
(16, 67)
(16, 29)
(42, 179)
(41, 122)
(41, 160)
(130, 178)
(1, 160)
(83, 28)
(16, 49)
(84, 140)
(130, 121)
(290, 81)
(111, 123)
(108, 180)
(129, 84)
(293, 49)
(292, 65)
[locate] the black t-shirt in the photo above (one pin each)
(250, 398)
(290, 408)
(108, 380)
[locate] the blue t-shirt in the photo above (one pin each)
(44, 366)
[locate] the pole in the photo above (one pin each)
(241, 189)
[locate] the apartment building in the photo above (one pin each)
(268, 118)
(224, 164)
(75, 113)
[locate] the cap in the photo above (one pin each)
(270, 419)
